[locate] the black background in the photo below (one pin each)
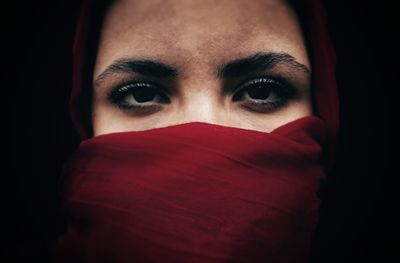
(358, 210)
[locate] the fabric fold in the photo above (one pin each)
(194, 192)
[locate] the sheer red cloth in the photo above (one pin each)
(199, 192)
(195, 192)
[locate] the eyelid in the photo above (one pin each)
(125, 85)
(283, 87)
(286, 88)
(264, 79)
(140, 82)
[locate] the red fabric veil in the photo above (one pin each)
(199, 192)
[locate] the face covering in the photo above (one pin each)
(194, 192)
(197, 192)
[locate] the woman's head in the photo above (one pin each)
(236, 194)
(195, 40)
(234, 63)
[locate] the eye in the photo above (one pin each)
(138, 95)
(264, 94)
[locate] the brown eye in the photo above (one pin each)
(264, 94)
(259, 92)
(138, 95)
(143, 95)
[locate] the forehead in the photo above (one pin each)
(205, 31)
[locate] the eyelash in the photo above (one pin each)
(282, 91)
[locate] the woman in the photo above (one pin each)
(207, 128)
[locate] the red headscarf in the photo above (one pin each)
(199, 192)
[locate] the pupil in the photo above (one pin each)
(259, 92)
(143, 95)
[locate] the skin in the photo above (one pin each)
(196, 37)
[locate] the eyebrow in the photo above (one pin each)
(145, 67)
(232, 69)
(258, 62)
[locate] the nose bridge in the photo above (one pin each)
(201, 104)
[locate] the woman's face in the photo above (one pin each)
(229, 62)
